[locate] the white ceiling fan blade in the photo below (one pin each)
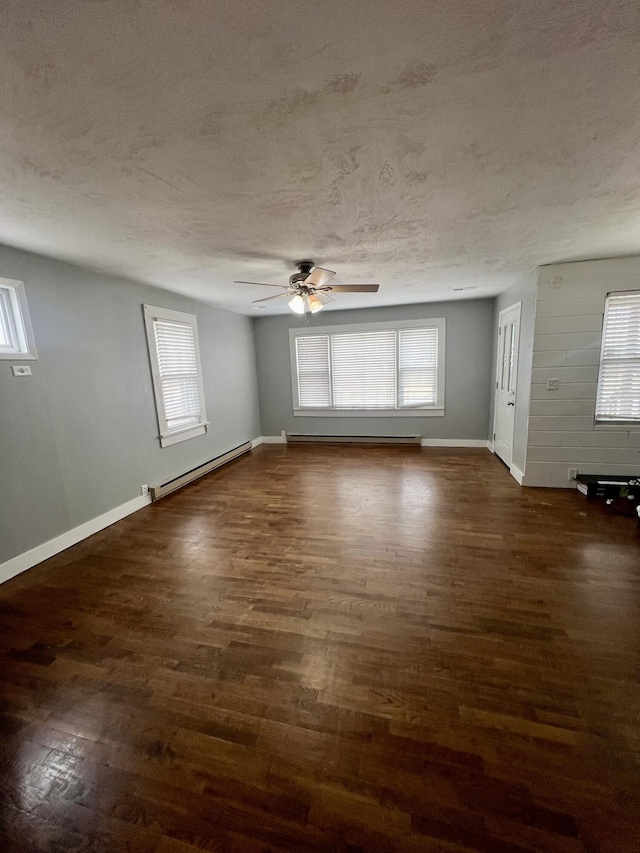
(277, 296)
(317, 277)
(353, 288)
(262, 284)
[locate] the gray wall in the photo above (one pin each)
(522, 291)
(568, 335)
(79, 437)
(467, 380)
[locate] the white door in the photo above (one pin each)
(506, 379)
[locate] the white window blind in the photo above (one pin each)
(418, 369)
(314, 382)
(16, 335)
(363, 369)
(619, 377)
(177, 375)
(8, 330)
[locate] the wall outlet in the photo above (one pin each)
(21, 370)
(573, 473)
(144, 489)
(553, 384)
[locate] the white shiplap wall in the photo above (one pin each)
(566, 346)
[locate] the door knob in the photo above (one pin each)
(510, 404)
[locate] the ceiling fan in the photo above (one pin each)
(310, 288)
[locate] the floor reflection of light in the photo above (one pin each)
(599, 555)
(418, 492)
(57, 775)
(397, 505)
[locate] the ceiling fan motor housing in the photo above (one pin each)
(304, 269)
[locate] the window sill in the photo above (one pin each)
(368, 413)
(18, 356)
(183, 435)
(621, 426)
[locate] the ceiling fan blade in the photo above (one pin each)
(317, 277)
(353, 288)
(277, 296)
(262, 284)
(322, 294)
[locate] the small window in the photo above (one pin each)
(16, 334)
(172, 337)
(618, 399)
(372, 369)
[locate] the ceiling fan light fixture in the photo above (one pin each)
(314, 303)
(309, 288)
(297, 304)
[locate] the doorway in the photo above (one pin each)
(506, 382)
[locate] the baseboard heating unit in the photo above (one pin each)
(354, 439)
(164, 489)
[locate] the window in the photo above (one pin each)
(618, 397)
(177, 375)
(16, 334)
(373, 369)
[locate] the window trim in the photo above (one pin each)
(610, 423)
(397, 412)
(22, 321)
(166, 436)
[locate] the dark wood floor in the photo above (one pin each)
(330, 649)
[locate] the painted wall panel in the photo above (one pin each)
(540, 438)
(79, 437)
(554, 406)
(563, 324)
(570, 340)
(580, 455)
(567, 391)
(566, 358)
(595, 438)
(568, 307)
(567, 347)
(560, 423)
(565, 373)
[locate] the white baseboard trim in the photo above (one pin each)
(517, 474)
(544, 481)
(490, 446)
(273, 439)
(48, 549)
(454, 442)
(256, 442)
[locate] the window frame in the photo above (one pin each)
(21, 321)
(168, 437)
(424, 411)
(611, 423)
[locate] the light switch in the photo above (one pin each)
(21, 370)
(553, 384)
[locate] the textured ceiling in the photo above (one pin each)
(421, 144)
